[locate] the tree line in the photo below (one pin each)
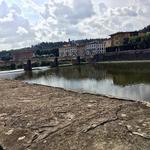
(138, 42)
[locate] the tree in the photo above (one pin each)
(140, 42)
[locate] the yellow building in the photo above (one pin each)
(118, 39)
(107, 43)
(68, 51)
(142, 33)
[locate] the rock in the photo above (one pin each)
(21, 138)
(139, 130)
(44, 141)
(3, 114)
(129, 127)
(9, 132)
(123, 115)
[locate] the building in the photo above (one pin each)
(20, 55)
(81, 50)
(119, 38)
(95, 47)
(143, 33)
(68, 51)
(107, 43)
(2, 63)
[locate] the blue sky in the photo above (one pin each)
(27, 22)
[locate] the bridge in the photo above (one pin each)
(53, 61)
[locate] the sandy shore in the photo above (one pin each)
(34, 117)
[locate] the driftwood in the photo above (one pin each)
(103, 121)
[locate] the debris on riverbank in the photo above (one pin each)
(45, 118)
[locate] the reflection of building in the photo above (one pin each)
(81, 50)
(119, 38)
(68, 50)
(95, 47)
(22, 54)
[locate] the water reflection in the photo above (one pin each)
(131, 81)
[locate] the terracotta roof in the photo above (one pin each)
(123, 33)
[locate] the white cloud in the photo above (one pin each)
(21, 31)
(102, 8)
(15, 30)
(32, 21)
(7, 18)
(3, 9)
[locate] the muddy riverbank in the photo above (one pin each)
(34, 117)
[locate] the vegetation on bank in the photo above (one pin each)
(133, 43)
(146, 29)
(139, 42)
(53, 52)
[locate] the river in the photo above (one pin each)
(121, 80)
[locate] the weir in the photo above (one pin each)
(28, 66)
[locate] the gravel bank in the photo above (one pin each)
(34, 117)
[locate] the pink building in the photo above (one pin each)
(22, 55)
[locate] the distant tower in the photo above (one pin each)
(69, 41)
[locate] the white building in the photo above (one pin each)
(68, 51)
(95, 47)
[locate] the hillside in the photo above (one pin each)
(146, 29)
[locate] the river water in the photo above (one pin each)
(122, 80)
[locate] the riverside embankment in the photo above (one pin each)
(34, 117)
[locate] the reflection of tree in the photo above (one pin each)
(82, 72)
(26, 75)
(131, 78)
(132, 73)
(71, 73)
